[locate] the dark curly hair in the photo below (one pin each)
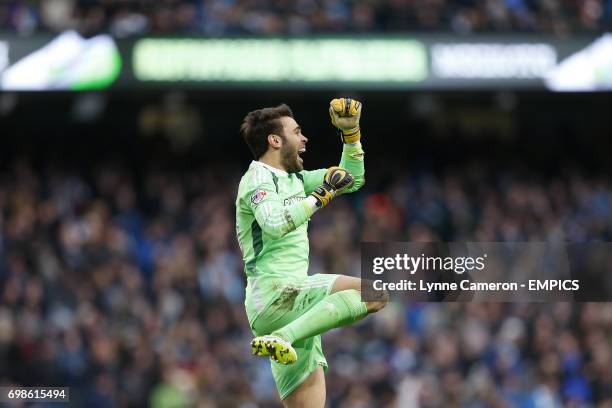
(260, 123)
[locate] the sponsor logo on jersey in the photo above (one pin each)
(257, 196)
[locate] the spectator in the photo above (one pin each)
(129, 290)
(267, 17)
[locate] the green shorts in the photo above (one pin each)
(293, 301)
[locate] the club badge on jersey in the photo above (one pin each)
(257, 196)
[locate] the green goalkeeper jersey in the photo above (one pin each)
(272, 224)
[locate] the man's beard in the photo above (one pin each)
(289, 160)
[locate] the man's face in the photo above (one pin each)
(294, 144)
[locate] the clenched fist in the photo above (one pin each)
(336, 180)
(345, 114)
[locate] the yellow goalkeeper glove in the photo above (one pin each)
(336, 179)
(345, 114)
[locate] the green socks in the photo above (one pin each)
(337, 310)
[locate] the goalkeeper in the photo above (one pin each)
(288, 309)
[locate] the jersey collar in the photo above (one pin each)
(267, 166)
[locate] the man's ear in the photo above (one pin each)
(274, 140)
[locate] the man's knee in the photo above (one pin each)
(345, 283)
(380, 300)
(378, 303)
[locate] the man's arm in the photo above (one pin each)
(312, 179)
(345, 114)
(352, 160)
(276, 219)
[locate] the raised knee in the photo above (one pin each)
(379, 303)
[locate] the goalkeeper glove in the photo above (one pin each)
(345, 114)
(336, 179)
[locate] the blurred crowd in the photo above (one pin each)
(128, 288)
(272, 17)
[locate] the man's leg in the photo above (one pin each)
(341, 308)
(316, 289)
(349, 282)
(310, 394)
